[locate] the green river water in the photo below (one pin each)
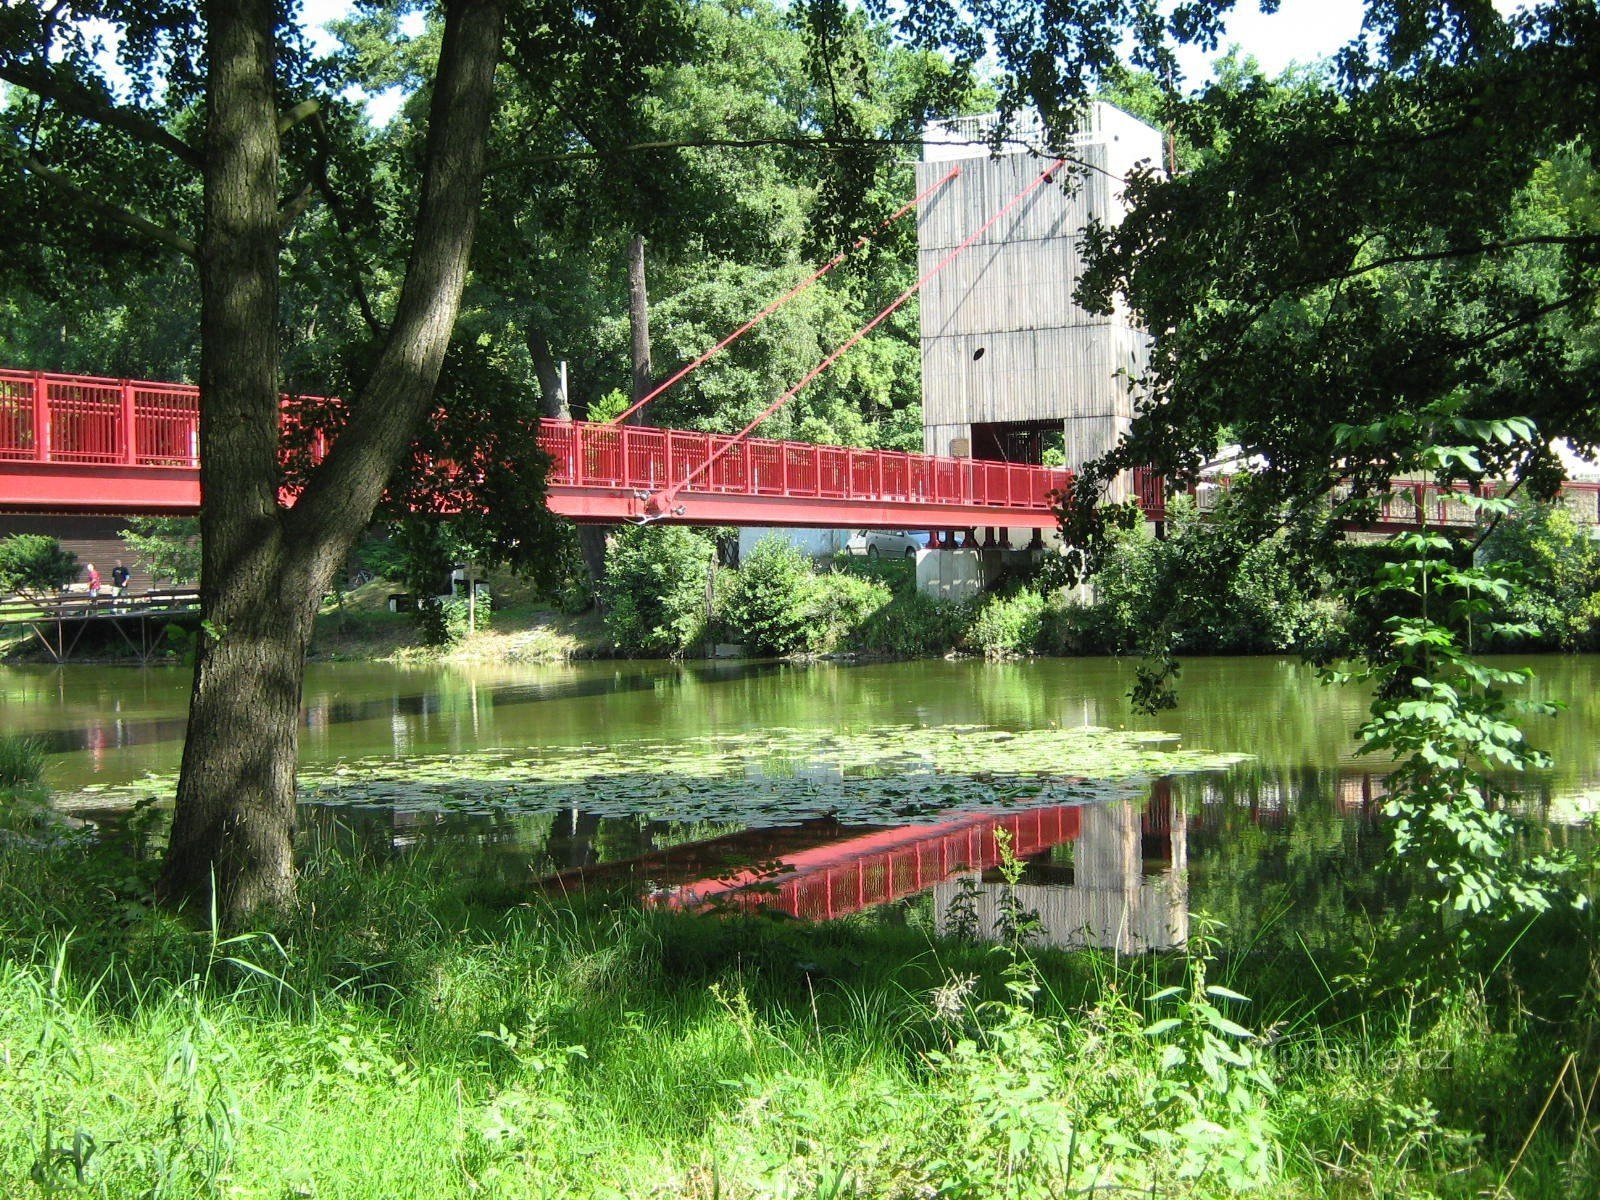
(864, 778)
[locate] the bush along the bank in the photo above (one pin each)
(655, 589)
(1252, 597)
(1558, 567)
(840, 609)
(1007, 625)
(1206, 587)
(768, 600)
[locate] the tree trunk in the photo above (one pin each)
(234, 820)
(639, 326)
(264, 569)
(552, 394)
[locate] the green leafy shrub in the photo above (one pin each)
(767, 603)
(654, 589)
(1208, 586)
(168, 547)
(1007, 625)
(1558, 568)
(462, 618)
(32, 563)
(914, 624)
(840, 607)
(899, 575)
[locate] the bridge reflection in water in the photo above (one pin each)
(1125, 887)
(1107, 875)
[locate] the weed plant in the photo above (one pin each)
(417, 1030)
(21, 760)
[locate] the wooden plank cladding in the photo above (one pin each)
(1002, 339)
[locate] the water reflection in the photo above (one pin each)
(1288, 846)
(1123, 887)
(1290, 853)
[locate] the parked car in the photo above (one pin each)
(886, 543)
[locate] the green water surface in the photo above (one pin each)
(1256, 801)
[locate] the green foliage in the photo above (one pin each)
(1449, 723)
(169, 547)
(655, 588)
(914, 624)
(767, 603)
(1557, 566)
(1023, 1123)
(1006, 625)
(839, 607)
(462, 617)
(1212, 585)
(32, 563)
(21, 760)
(899, 575)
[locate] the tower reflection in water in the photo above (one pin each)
(1123, 886)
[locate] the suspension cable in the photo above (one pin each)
(787, 296)
(665, 496)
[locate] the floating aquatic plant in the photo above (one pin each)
(879, 775)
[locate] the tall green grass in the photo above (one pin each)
(415, 1031)
(21, 760)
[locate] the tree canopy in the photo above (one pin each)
(1405, 244)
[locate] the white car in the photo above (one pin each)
(886, 543)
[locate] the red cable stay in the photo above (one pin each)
(785, 298)
(660, 504)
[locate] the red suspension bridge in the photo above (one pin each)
(83, 444)
(73, 443)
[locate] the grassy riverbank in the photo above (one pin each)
(426, 1029)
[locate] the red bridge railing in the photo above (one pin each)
(87, 421)
(110, 422)
(635, 458)
(877, 868)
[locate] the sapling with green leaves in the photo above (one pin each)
(1447, 718)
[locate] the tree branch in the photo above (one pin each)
(105, 208)
(343, 492)
(83, 103)
(296, 206)
(341, 220)
(289, 118)
(819, 142)
(1424, 256)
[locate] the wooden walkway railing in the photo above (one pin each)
(141, 620)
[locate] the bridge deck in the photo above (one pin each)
(81, 444)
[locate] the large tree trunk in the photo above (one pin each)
(235, 810)
(264, 568)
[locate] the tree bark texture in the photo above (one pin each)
(552, 396)
(265, 568)
(639, 326)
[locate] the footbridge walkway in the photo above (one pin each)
(84, 444)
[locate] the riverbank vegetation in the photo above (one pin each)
(1206, 584)
(422, 1025)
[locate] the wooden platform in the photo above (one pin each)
(140, 619)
